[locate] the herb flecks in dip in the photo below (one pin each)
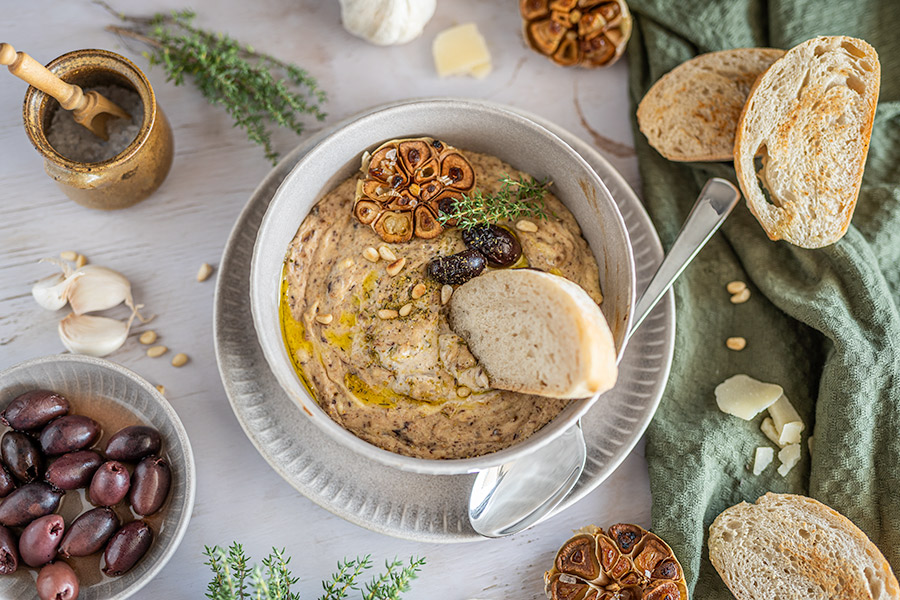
(393, 374)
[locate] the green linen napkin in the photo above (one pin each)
(823, 324)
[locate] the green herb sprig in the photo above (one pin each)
(235, 579)
(516, 199)
(256, 89)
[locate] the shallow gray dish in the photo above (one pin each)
(430, 508)
(94, 386)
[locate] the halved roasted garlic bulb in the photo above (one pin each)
(590, 33)
(407, 184)
(624, 563)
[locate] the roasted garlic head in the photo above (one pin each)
(624, 563)
(589, 33)
(407, 184)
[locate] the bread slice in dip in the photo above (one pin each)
(535, 333)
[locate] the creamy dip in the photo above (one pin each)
(409, 384)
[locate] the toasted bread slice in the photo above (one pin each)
(535, 333)
(810, 118)
(692, 112)
(793, 547)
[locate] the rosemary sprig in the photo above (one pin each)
(255, 88)
(234, 578)
(516, 199)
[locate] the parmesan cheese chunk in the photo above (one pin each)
(461, 50)
(790, 433)
(783, 412)
(768, 428)
(745, 397)
(764, 456)
(789, 456)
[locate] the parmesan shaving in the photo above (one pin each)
(461, 50)
(745, 397)
(789, 457)
(764, 456)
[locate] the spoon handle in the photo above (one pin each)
(24, 67)
(715, 203)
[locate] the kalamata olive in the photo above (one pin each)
(499, 247)
(458, 268)
(22, 456)
(74, 470)
(29, 502)
(89, 532)
(39, 541)
(110, 484)
(127, 547)
(150, 485)
(133, 443)
(9, 553)
(57, 581)
(7, 483)
(34, 409)
(69, 433)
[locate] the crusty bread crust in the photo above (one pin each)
(692, 112)
(790, 546)
(535, 333)
(810, 118)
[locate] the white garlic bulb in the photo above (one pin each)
(386, 22)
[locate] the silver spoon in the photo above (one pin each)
(514, 496)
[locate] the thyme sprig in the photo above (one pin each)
(256, 89)
(517, 198)
(234, 578)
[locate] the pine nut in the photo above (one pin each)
(156, 351)
(386, 253)
(324, 319)
(406, 309)
(371, 254)
(204, 272)
(148, 337)
(396, 266)
(527, 226)
(179, 360)
(80, 261)
(741, 296)
(69, 255)
(736, 287)
(446, 292)
(418, 291)
(161, 389)
(462, 391)
(736, 343)
(386, 313)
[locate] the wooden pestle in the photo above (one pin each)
(89, 109)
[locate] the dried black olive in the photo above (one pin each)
(499, 247)
(458, 268)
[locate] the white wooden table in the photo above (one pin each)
(160, 243)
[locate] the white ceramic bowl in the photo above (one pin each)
(106, 391)
(469, 125)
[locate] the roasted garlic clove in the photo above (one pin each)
(624, 563)
(578, 557)
(589, 33)
(626, 536)
(408, 184)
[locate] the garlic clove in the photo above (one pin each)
(98, 288)
(94, 336)
(50, 292)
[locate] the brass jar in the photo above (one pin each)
(134, 173)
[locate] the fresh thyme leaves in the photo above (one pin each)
(256, 89)
(235, 579)
(516, 199)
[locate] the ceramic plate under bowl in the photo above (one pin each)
(468, 125)
(419, 507)
(115, 397)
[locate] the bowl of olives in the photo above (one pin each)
(452, 127)
(96, 480)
